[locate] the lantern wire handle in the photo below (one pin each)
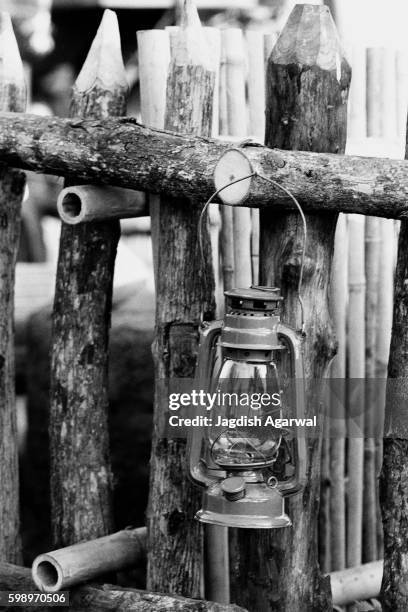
(302, 215)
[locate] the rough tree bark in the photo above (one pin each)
(185, 291)
(123, 153)
(307, 87)
(394, 473)
(12, 183)
(80, 466)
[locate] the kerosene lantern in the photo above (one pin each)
(246, 470)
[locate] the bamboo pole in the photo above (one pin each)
(402, 90)
(357, 124)
(226, 234)
(234, 58)
(98, 598)
(375, 84)
(338, 304)
(216, 562)
(61, 569)
(12, 183)
(120, 152)
(154, 61)
(376, 127)
(278, 570)
(81, 484)
(256, 103)
(355, 401)
(184, 296)
(372, 261)
(87, 203)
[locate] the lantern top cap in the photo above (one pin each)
(259, 292)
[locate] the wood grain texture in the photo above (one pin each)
(307, 88)
(12, 183)
(110, 598)
(80, 467)
(394, 473)
(123, 153)
(185, 292)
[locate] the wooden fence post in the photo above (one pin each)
(394, 473)
(12, 183)
(306, 109)
(185, 293)
(80, 466)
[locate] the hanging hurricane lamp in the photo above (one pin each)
(245, 465)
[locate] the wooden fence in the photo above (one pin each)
(195, 83)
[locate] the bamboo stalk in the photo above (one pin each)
(87, 203)
(12, 183)
(278, 570)
(61, 569)
(234, 58)
(109, 597)
(227, 230)
(256, 103)
(338, 304)
(372, 253)
(154, 61)
(402, 90)
(184, 295)
(375, 84)
(356, 370)
(81, 484)
(376, 127)
(357, 124)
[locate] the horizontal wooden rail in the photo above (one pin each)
(97, 598)
(123, 153)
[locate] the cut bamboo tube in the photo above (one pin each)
(256, 103)
(12, 184)
(154, 61)
(356, 370)
(87, 203)
(356, 583)
(338, 306)
(67, 567)
(234, 58)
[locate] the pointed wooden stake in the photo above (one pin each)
(307, 88)
(185, 293)
(12, 98)
(81, 475)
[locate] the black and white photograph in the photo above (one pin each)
(204, 305)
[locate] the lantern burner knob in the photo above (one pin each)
(233, 488)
